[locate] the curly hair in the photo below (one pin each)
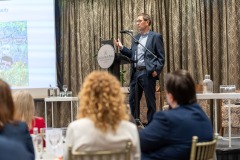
(102, 101)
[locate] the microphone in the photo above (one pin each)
(136, 42)
(126, 31)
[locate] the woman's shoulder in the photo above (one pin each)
(127, 124)
(82, 122)
(15, 127)
(15, 124)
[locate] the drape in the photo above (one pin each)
(200, 36)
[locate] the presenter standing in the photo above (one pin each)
(147, 51)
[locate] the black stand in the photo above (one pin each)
(115, 67)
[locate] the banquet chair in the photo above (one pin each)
(124, 154)
(203, 150)
(235, 114)
(235, 117)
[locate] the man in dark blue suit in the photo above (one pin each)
(10, 150)
(169, 136)
(148, 66)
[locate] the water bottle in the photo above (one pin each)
(207, 85)
(50, 91)
(38, 143)
(56, 91)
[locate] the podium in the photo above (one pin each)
(109, 59)
(115, 67)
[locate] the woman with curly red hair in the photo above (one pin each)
(103, 120)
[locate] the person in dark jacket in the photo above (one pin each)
(9, 127)
(169, 135)
(147, 50)
(11, 149)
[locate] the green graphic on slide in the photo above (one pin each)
(14, 53)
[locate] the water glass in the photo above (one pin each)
(232, 88)
(69, 93)
(38, 145)
(43, 133)
(62, 94)
(55, 138)
(65, 88)
(227, 88)
(223, 88)
(64, 134)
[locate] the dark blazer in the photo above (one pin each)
(169, 135)
(11, 150)
(155, 45)
(19, 131)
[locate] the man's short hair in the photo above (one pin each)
(181, 85)
(146, 17)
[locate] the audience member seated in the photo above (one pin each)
(24, 110)
(10, 150)
(169, 135)
(103, 121)
(9, 127)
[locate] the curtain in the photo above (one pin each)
(200, 36)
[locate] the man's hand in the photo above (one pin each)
(154, 73)
(118, 43)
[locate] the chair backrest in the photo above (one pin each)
(203, 150)
(124, 154)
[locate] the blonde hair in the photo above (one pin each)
(24, 107)
(102, 101)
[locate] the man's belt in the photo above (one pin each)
(140, 68)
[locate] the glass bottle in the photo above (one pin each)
(50, 91)
(207, 85)
(56, 91)
(38, 143)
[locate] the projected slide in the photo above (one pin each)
(14, 53)
(27, 43)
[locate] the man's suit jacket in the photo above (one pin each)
(18, 131)
(169, 135)
(12, 149)
(155, 45)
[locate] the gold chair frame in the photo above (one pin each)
(101, 154)
(203, 150)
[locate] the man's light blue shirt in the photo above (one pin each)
(141, 50)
